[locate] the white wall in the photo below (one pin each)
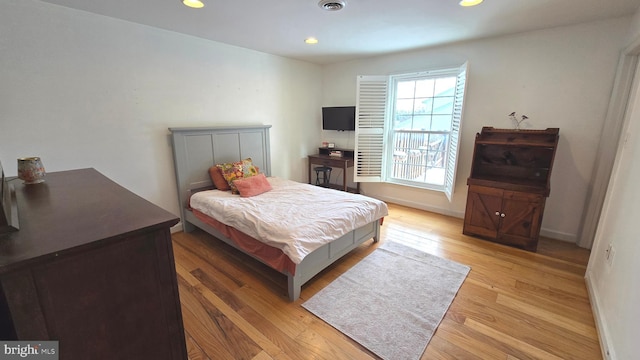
(82, 90)
(616, 286)
(634, 33)
(560, 77)
(613, 276)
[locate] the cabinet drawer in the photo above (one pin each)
(329, 162)
(522, 196)
(486, 190)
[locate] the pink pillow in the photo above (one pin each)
(252, 186)
(218, 179)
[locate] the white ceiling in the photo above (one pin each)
(363, 28)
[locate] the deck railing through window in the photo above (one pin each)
(416, 152)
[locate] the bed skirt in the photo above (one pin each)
(271, 256)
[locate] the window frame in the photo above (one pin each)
(374, 127)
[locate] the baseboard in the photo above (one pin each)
(558, 235)
(422, 206)
(176, 228)
(603, 335)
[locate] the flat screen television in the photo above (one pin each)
(339, 118)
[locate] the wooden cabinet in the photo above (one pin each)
(509, 184)
(91, 267)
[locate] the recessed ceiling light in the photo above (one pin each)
(332, 5)
(470, 2)
(311, 40)
(196, 4)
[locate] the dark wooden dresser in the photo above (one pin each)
(91, 267)
(509, 184)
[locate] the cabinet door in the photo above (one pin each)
(520, 225)
(480, 216)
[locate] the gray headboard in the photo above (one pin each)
(195, 150)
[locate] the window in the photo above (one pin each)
(407, 128)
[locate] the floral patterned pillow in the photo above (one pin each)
(237, 170)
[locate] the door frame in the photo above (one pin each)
(617, 116)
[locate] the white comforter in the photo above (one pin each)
(294, 217)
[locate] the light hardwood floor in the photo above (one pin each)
(513, 305)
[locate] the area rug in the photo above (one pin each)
(392, 301)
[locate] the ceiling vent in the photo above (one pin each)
(332, 5)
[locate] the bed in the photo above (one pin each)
(195, 150)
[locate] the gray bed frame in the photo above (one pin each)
(195, 150)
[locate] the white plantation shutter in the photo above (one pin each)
(370, 118)
(452, 150)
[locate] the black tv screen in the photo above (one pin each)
(339, 118)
